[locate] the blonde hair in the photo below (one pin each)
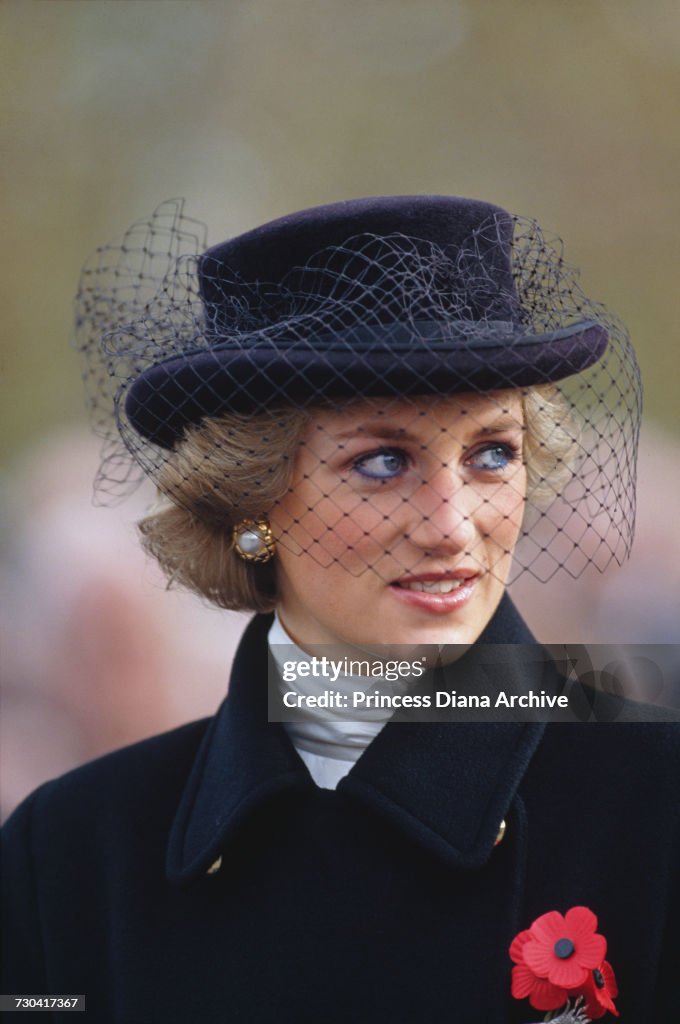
(551, 443)
(238, 466)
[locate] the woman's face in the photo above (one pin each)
(401, 520)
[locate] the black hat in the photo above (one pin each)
(386, 295)
(396, 296)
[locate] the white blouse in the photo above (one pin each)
(327, 743)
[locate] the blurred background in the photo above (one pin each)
(564, 112)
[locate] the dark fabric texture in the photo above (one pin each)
(268, 252)
(381, 347)
(169, 395)
(383, 901)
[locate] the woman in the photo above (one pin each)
(367, 418)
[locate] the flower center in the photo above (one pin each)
(598, 979)
(563, 948)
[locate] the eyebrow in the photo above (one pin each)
(383, 431)
(504, 423)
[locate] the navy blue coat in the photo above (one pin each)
(385, 900)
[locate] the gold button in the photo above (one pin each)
(500, 836)
(215, 866)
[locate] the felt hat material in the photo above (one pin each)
(387, 295)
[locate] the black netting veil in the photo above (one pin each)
(387, 394)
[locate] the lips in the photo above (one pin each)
(453, 576)
(434, 587)
(436, 592)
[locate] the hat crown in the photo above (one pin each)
(333, 252)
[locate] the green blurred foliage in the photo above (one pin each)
(563, 111)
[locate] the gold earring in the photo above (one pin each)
(253, 540)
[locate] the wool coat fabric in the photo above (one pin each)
(385, 900)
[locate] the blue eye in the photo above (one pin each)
(383, 465)
(493, 457)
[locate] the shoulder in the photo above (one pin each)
(620, 764)
(133, 785)
(77, 843)
(654, 744)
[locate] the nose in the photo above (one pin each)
(442, 514)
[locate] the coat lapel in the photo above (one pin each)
(243, 760)
(446, 785)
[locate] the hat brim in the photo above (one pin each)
(170, 395)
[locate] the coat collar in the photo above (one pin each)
(446, 785)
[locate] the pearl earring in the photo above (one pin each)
(253, 540)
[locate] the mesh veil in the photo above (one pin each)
(388, 329)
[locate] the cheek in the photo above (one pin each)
(499, 519)
(342, 527)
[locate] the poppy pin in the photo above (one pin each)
(562, 957)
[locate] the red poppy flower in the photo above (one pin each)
(599, 991)
(564, 950)
(542, 994)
